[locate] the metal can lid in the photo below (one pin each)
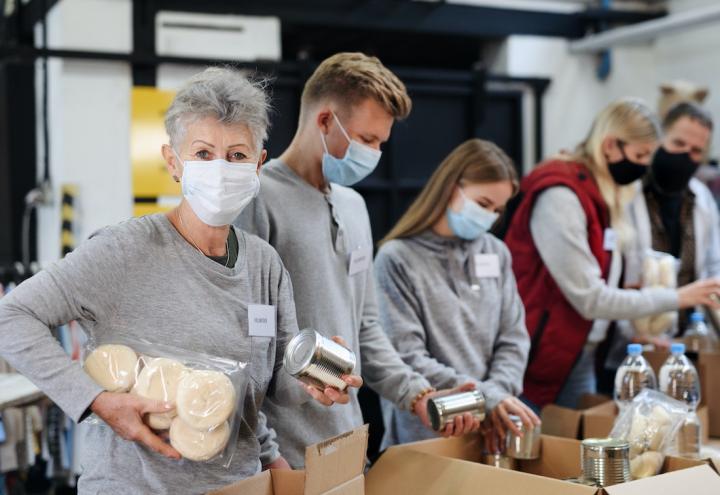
(605, 444)
(300, 352)
(516, 419)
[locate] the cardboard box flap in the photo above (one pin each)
(285, 482)
(260, 484)
(559, 459)
(561, 421)
(699, 480)
(404, 471)
(335, 461)
(466, 447)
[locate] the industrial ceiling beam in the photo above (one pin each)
(648, 30)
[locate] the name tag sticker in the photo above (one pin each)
(609, 240)
(262, 320)
(487, 266)
(360, 260)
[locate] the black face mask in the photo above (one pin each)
(626, 171)
(672, 172)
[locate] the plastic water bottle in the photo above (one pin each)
(698, 336)
(633, 375)
(679, 379)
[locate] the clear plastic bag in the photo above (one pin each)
(649, 425)
(659, 270)
(206, 390)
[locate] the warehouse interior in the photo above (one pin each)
(85, 84)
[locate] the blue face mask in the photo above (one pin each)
(472, 221)
(359, 161)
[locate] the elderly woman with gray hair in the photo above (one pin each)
(184, 278)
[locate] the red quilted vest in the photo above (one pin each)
(557, 332)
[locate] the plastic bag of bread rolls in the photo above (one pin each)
(649, 425)
(659, 270)
(206, 391)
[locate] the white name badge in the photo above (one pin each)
(487, 266)
(609, 240)
(262, 320)
(360, 260)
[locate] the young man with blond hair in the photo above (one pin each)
(321, 229)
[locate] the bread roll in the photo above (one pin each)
(642, 325)
(113, 367)
(159, 380)
(666, 272)
(651, 272)
(198, 445)
(205, 399)
(661, 323)
(646, 465)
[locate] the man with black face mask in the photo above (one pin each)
(676, 213)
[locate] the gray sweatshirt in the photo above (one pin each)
(559, 229)
(142, 279)
(449, 324)
(315, 233)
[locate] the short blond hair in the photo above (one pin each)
(351, 77)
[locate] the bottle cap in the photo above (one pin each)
(634, 349)
(677, 348)
(697, 316)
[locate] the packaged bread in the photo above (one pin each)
(205, 390)
(659, 270)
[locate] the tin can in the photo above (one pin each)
(525, 447)
(443, 410)
(318, 361)
(499, 461)
(605, 461)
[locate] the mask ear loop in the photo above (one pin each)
(347, 136)
(180, 160)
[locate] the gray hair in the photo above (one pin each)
(224, 93)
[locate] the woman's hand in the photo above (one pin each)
(124, 413)
(331, 395)
(500, 417)
(703, 292)
(461, 425)
(279, 463)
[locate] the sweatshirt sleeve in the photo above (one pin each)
(382, 367)
(510, 352)
(559, 229)
(400, 313)
(75, 288)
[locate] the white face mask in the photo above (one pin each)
(218, 190)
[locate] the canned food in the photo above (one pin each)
(443, 410)
(499, 461)
(525, 447)
(318, 361)
(605, 461)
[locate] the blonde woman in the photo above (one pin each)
(447, 295)
(565, 238)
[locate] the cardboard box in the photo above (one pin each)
(332, 467)
(449, 467)
(569, 423)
